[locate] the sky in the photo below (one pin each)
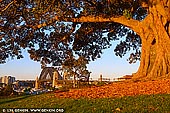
(109, 65)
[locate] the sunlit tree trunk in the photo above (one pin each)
(155, 57)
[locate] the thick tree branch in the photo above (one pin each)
(130, 23)
(122, 20)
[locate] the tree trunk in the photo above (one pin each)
(155, 57)
(155, 60)
(74, 81)
(147, 58)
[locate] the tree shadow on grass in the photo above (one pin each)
(15, 99)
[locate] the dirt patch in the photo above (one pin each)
(119, 89)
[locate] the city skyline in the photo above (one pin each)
(109, 65)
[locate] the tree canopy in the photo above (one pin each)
(52, 30)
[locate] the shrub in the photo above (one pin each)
(7, 91)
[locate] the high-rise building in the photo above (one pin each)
(7, 79)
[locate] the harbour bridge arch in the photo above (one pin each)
(48, 75)
(48, 72)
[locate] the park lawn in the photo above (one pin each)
(139, 104)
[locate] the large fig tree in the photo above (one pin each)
(52, 30)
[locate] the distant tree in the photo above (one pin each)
(51, 29)
(7, 91)
(76, 67)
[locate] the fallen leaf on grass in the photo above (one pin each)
(119, 89)
(118, 109)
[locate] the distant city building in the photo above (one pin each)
(0, 79)
(24, 83)
(7, 79)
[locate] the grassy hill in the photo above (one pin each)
(158, 103)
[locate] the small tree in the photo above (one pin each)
(76, 67)
(7, 91)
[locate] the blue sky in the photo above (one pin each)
(109, 65)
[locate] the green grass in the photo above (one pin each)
(136, 104)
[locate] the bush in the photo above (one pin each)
(101, 83)
(84, 84)
(7, 91)
(27, 89)
(65, 88)
(51, 88)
